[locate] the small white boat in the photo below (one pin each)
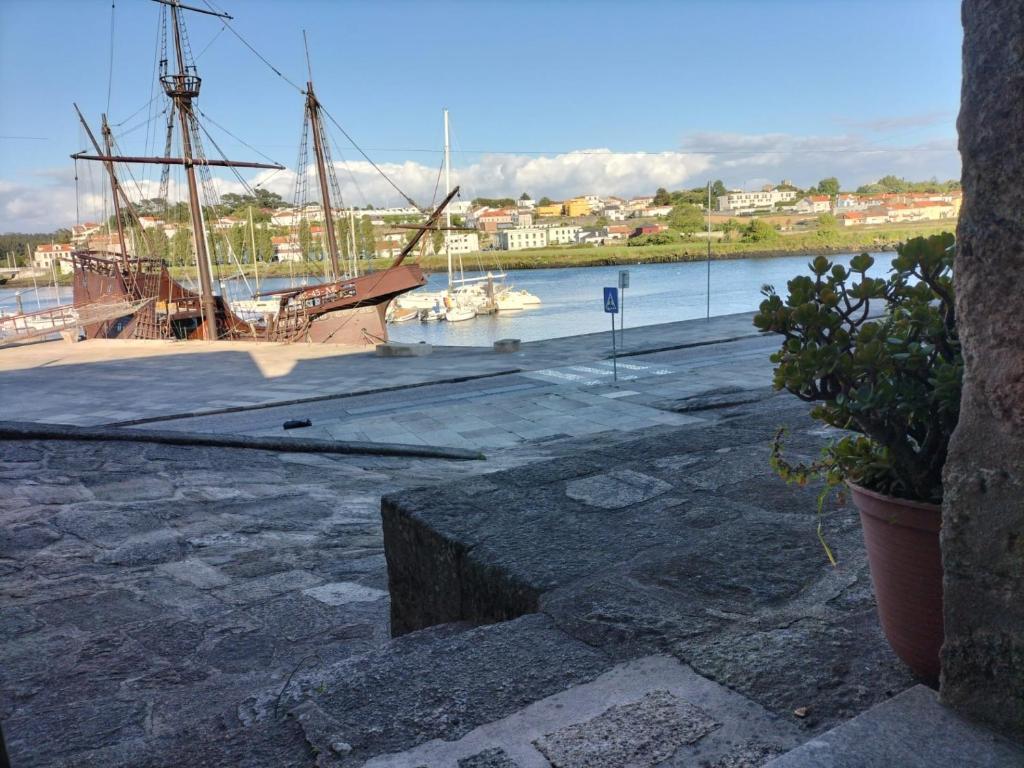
(402, 315)
(508, 301)
(526, 298)
(431, 315)
(419, 300)
(458, 314)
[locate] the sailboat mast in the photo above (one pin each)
(313, 113)
(182, 87)
(313, 110)
(105, 130)
(447, 191)
(255, 260)
(352, 239)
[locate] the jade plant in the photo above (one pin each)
(880, 359)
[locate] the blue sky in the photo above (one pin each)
(743, 91)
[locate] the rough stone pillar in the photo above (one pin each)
(983, 510)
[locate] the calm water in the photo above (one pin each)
(572, 298)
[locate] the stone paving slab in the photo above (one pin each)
(661, 544)
(911, 730)
(620, 705)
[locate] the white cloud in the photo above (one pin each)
(47, 200)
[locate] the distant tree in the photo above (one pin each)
(495, 202)
(341, 232)
(661, 197)
(437, 240)
(602, 221)
(264, 245)
(718, 188)
(524, 196)
(686, 218)
(237, 241)
(827, 221)
(759, 231)
(305, 239)
(545, 201)
(367, 239)
(828, 186)
(181, 247)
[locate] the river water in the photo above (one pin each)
(572, 298)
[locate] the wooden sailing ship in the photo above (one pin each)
(343, 310)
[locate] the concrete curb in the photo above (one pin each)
(19, 430)
(313, 399)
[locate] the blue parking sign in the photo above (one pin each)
(611, 300)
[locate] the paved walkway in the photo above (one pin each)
(101, 382)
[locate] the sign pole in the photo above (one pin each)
(615, 364)
(612, 307)
(623, 285)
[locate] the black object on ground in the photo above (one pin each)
(297, 424)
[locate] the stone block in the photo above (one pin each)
(641, 734)
(395, 349)
(911, 730)
(504, 346)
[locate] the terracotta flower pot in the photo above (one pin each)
(902, 540)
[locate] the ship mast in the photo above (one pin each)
(313, 115)
(182, 88)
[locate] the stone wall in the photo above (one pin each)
(983, 516)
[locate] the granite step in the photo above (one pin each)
(911, 730)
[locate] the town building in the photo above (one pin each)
(286, 248)
(80, 232)
(738, 201)
(577, 206)
(648, 229)
(492, 221)
(522, 218)
(104, 243)
(463, 242)
(555, 209)
(658, 211)
(53, 258)
(814, 204)
(567, 235)
(518, 239)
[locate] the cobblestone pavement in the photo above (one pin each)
(151, 594)
(144, 587)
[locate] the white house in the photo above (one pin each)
(563, 235)
(48, 257)
(656, 210)
(522, 217)
(516, 239)
(814, 204)
(738, 201)
(463, 242)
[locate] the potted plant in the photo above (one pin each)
(881, 360)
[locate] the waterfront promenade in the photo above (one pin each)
(173, 605)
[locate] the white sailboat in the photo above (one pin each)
(456, 310)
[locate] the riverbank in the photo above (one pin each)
(836, 241)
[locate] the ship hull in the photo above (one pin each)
(347, 312)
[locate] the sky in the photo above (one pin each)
(551, 98)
